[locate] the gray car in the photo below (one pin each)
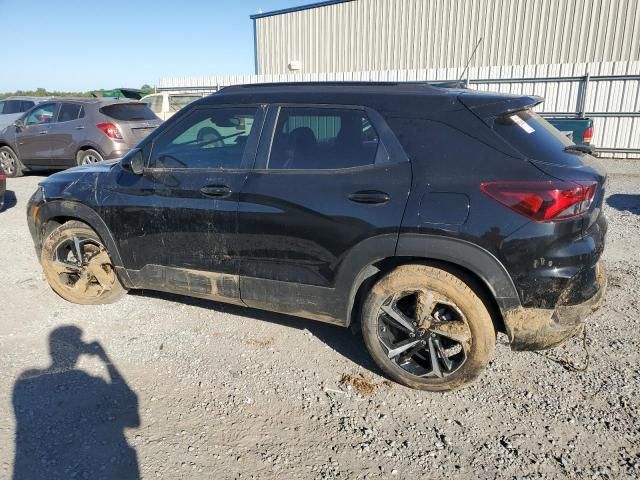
(67, 132)
(12, 108)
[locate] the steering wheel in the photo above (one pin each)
(210, 136)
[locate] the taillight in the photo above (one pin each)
(3, 176)
(588, 135)
(110, 130)
(543, 201)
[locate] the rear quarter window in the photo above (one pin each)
(129, 112)
(535, 138)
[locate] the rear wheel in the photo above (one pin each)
(88, 157)
(427, 329)
(78, 266)
(10, 162)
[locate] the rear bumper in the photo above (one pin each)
(539, 329)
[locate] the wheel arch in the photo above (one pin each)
(87, 146)
(58, 212)
(472, 263)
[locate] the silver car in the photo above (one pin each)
(12, 108)
(67, 132)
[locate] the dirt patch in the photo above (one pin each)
(363, 384)
(265, 343)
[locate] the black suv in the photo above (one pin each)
(431, 218)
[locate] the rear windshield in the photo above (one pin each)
(129, 111)
(536, 138)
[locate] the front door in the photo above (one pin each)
(180, 234)
(323, 184)
(32, 140)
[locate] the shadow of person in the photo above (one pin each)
(70, 424)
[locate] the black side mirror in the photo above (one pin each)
(19, 124)
(134, 162)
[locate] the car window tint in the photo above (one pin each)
(178, 102)
(205, 138)
(323, 138)
(26, 105)
(12, 106)
(155, 103)
(81, 114)
(42, 114)
(68, 112)
(128, 111)
(2, 107)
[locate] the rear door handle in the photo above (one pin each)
(44, 132)
(80, 128)
(216, 191)
(369, 196)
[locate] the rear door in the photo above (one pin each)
(66, 133)
(33, 141)
(325, 181)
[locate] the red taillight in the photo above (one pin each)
(543, 201)
(3, 176)
(588, 135)
(110, 130)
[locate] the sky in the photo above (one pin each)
(80, 45)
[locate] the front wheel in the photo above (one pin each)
(427, 329)
(10, 163)
(78, 266)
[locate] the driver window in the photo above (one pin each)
(205, 138)
(42, 114)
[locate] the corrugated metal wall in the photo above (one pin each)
(366, 35)
(614, 103)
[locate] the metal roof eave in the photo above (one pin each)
(310, 6)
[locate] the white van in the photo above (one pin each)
(165, 104)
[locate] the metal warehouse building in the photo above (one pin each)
(362, 35)
(582, 56)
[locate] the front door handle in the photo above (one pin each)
(44, 132)
(370, 196)
(216, 191)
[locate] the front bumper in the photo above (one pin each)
(539, 329)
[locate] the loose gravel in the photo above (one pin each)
(226, 392)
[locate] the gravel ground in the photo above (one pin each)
(205, 390)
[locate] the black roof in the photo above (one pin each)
(402, 98)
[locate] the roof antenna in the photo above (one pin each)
(459, 82)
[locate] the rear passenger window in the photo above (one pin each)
(205, 138)
(68, 112)
(323, 138)
(26, 105)
(12, 106)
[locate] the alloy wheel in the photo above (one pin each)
(424, 333)
(8, 163)
(83, 266)
(89, 159)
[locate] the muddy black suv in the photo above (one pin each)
(431, 218)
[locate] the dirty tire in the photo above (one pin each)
(434, 290)
(90, 282)
(10, 163)
(88, 157)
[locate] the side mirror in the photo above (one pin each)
(19, 124)
(134, 162)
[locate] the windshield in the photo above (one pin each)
(536, 138)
